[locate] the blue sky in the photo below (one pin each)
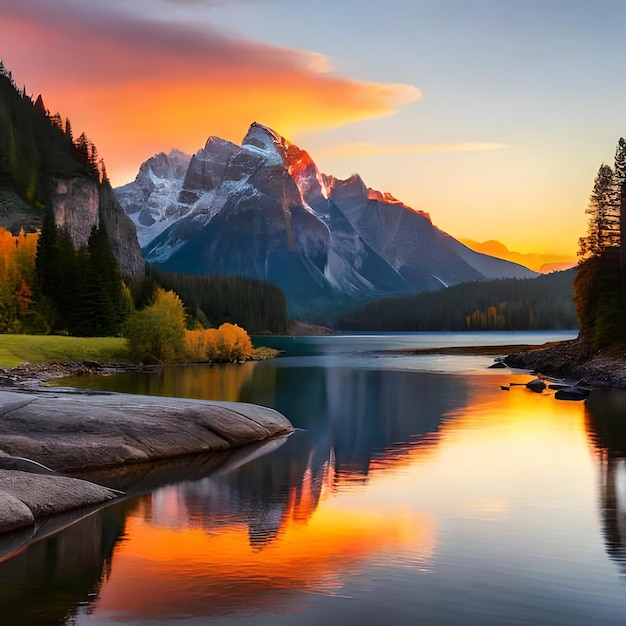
(521, 101)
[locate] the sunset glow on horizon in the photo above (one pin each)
(491, 117)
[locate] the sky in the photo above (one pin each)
(491, 115)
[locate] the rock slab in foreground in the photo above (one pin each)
(26, 497)
(72, 432)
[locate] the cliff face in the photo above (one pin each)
(122, 234)
(79, 204)
(42, 166)
(75, 205)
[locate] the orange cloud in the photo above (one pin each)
(371, 149)
(139, 86)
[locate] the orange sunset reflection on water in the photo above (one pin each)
(178, 558)
(159, 571)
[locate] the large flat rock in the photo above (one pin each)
(76, 432)
(93, 431)
(72, 431)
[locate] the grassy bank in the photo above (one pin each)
(17, 349)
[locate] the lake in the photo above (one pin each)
(414, 491)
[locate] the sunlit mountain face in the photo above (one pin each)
(264, 210)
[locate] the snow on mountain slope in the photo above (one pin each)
(151, 200)
(263, 209)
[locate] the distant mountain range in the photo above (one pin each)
(542, 263)
(264, 210)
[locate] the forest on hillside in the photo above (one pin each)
(260, 307)
(600, 285)
(47, 284)
(540, 303)
(36, 146)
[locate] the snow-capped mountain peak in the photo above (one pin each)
(264, 210)
(151, 200)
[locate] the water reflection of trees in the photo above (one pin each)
(606, 429)
(265, 494)
(47, 583)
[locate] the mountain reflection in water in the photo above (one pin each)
(404, 496)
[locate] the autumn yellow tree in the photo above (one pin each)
(17, 275)
(228, 343)
(234, 343)
(156, 333)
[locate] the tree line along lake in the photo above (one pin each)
(413, 490)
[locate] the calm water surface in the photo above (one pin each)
(413, 491)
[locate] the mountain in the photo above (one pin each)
(151, 200)
(264, 210)
(43, 168)
(539, 262)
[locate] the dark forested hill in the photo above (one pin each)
(545, 302)
(43, 167)
(36, 147)
(258, 306)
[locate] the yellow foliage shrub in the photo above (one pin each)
(228, 343)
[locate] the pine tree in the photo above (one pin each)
(601, 210)
(619, 181)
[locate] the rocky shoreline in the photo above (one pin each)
(49, 437)
(30, 376)
(573, 361)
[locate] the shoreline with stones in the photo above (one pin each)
(573, 361)
(570, 360)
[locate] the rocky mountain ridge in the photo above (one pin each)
(264, 210)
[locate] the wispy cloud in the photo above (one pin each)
(140, 85)
(372, 149)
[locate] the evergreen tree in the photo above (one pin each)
(600, 285)
(619, 183)
(601, 210)
(68, 130)
(106, 285)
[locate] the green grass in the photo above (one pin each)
(18, 349)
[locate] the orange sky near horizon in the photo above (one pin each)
(447, 107)
(174, 86)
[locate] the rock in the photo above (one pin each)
(13, 512)
(46, 495)
(497, 365)
(537, 385)
(572, 393)
(72, 432)
(78, 204)
(8, 462)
